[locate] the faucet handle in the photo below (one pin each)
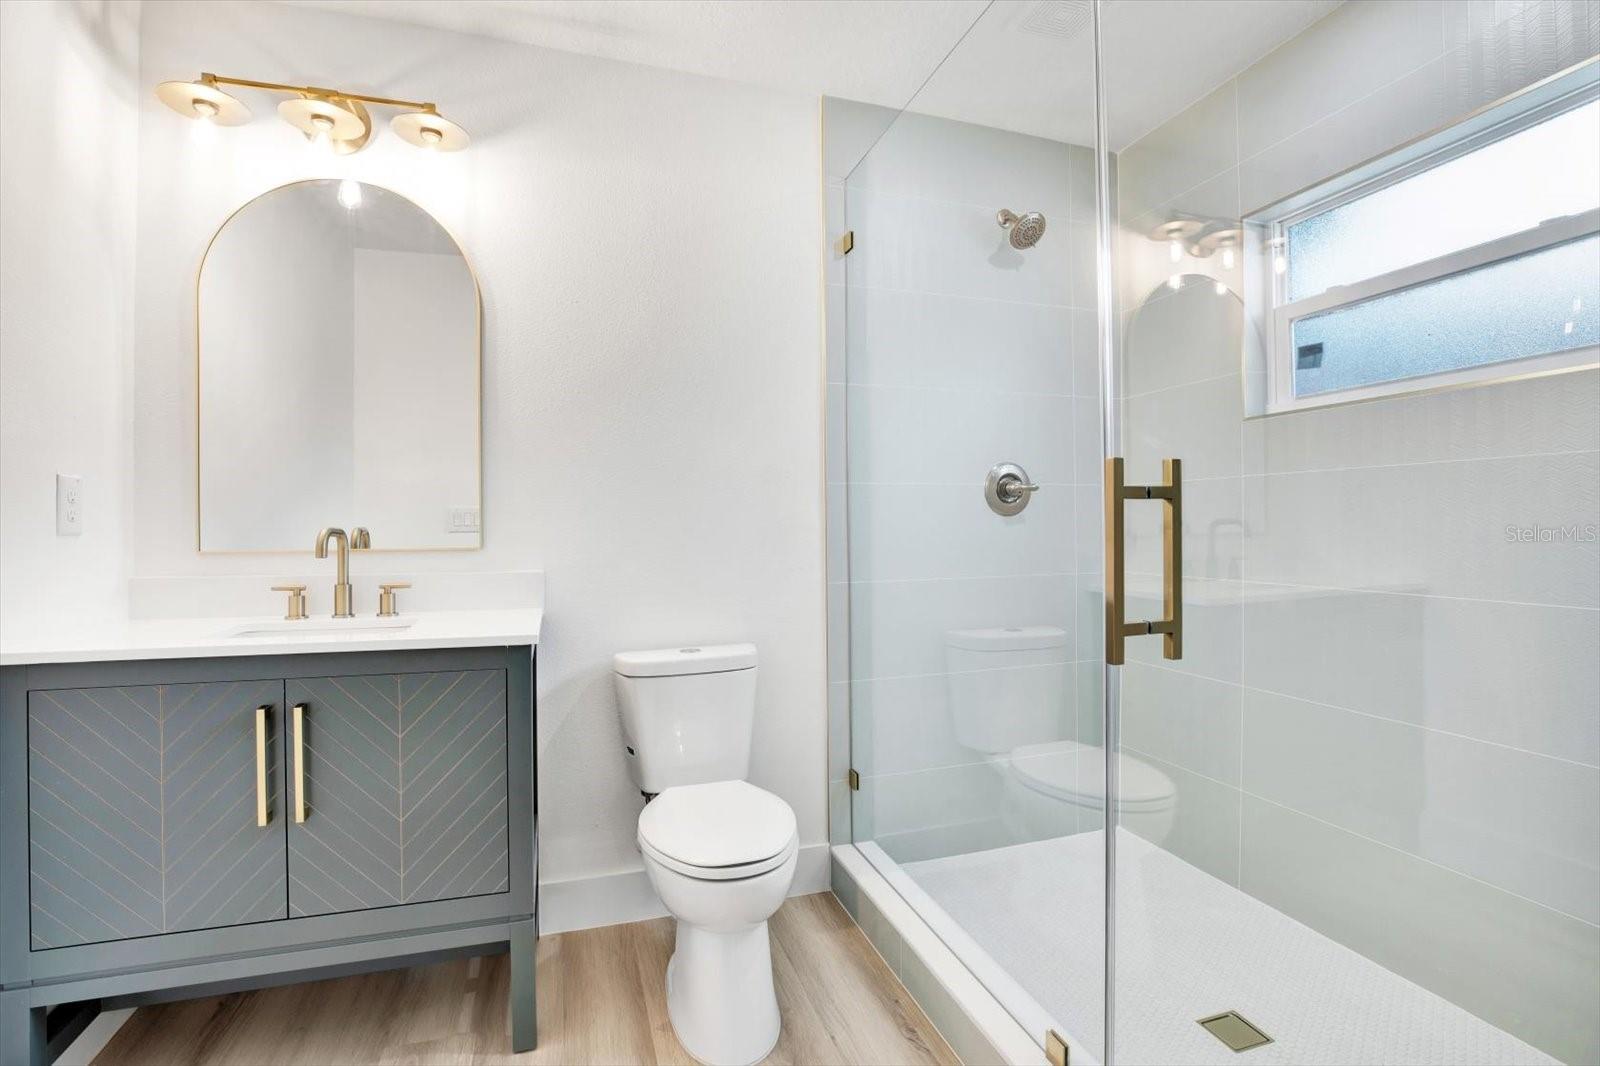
(386, 606)
(360, 539)
(297, 601)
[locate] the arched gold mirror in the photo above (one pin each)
(338, 364)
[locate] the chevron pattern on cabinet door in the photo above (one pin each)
(142, 812)
(405, 790)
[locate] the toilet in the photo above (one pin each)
(719, 851)
(1009, 691)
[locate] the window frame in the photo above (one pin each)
(1462, 138)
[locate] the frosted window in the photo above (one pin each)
(1533, 304)
(1546, 171)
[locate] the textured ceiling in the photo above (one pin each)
(1024, 65)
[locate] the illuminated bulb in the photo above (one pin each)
(321, 125)
(1567, 329)
(205, 110)
(431, 136)
(1175, 250)
(1222, 290)
(1279, 263)
(350, 194)
(1175, 282)
(1227, 259)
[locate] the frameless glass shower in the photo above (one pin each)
(1322, 281)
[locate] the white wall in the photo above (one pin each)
(1387, 720)
(646, 243)
(66, 320)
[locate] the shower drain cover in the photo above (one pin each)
(1232, 1029)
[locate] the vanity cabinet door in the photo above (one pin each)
(143, 810)
(403, 778)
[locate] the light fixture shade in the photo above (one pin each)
(337, 120)
(429, 129)
(1219, 238)
(1178, 229)
(189, 99)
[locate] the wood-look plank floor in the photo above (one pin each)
(602, 999)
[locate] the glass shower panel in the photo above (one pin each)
(1360, 816)
(972, 458)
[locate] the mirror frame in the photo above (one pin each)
(477, 299)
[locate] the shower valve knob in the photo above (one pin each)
(1008, 489)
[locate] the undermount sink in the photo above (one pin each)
(320, 627)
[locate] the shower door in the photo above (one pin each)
(1357, 802)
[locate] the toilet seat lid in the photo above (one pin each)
(1077, 772)
(719, 824)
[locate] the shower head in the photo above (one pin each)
(1025, 229)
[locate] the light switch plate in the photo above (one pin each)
(69, 505)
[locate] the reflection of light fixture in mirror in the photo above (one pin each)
(1175, 282)
(203, 100)
(330, 116)
(1174, 233)
(1280, 261)
(1223, 241)
(350, 194)
(1222, 288)
(429, 129)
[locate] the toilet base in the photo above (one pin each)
(720, 997)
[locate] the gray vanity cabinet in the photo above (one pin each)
(404, 784)
(188, 827)
(142, 810)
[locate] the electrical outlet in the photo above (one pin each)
(69, 505)
(463, 520)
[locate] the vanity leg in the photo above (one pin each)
(22, 1030)
(524, 1004)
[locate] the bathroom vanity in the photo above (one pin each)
(186, 811)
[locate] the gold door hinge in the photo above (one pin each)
(846, 243)
(1055, 1048)
(855, 781)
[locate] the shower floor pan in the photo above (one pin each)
(1189, 947)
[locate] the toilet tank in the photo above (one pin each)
(687, 714)
(1008, 686)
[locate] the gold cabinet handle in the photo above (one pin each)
(263, 721)
(299, 762)
(1118, 628)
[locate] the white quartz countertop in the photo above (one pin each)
(187, 638)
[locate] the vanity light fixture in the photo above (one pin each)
(1224, 241)
(331, 116)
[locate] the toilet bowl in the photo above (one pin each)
(722, 857)
(1059, 787)
(719, 851)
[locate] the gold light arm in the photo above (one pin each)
(314, 90)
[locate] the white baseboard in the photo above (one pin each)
(612, 899)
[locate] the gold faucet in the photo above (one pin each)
(358, 539)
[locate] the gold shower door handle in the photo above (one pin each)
(263, 814)
(299, 762)
(1118, 628)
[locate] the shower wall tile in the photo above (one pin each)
(904, 725)
(1212, 511)
(900, 532)
(838, 596)
(1522, 675)
(1213, 633)
(945, 341)
(838, 532)
(934, 811)
(946, 436)
(951, 248)
(836, 334)
(1201, 423)
(901, 626)
(1195, 145)
(1521, 966)
(1184, 720)
(1085, 347)
(1536, 832)
(1205, 820)
(1514, 45)
(939, 159)
(1302, 81)
(1557, 413)
(1443, 528)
